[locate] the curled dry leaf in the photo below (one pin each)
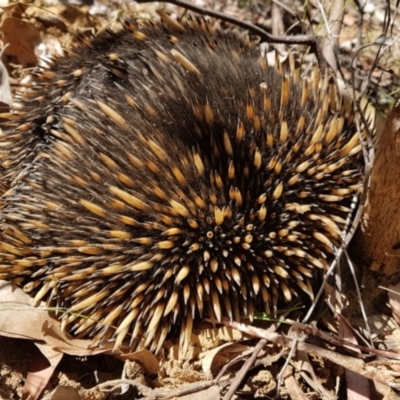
(22, 37)
(145, 358)
(212, 357)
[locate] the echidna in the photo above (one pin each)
(166, 172)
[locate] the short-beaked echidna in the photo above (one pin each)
(167, 172)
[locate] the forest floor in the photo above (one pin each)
(322, 368)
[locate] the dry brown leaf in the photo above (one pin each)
(40, 372)
(145, 358)
(54, 336)
(19, 319)
(22, 38)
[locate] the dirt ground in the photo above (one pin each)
(48, 26)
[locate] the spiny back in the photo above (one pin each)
(166, 172)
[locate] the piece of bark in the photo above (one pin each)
(379, 241)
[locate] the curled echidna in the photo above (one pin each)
(166, 172)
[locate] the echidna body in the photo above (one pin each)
(166, 172)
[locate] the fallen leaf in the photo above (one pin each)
(40, 371)
(19, 319)
(22, 38)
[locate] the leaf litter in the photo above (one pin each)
(39, 360)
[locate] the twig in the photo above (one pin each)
(292, 386)
(245, 368)
(153, 393)
(284, 7)
(264, 35)
(352, 363)
(277, 24)
(333, 26)
(379, 53)
(282, 374)
(359, 296)
(232, 363)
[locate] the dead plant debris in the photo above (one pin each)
(335, 358)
